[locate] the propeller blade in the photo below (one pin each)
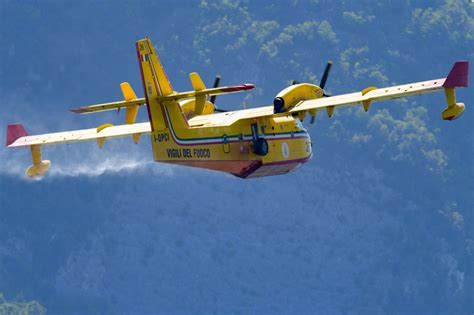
(324, 78)
(212, 99)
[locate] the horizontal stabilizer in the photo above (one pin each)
(108, 106)
(174, 97)
(207, 92)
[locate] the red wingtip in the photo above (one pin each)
(238, 87)
(458, 76)
(14, 132)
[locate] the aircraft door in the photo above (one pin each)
(225, 144)
(254, 127)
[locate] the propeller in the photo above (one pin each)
(324, 79)
(212, 99)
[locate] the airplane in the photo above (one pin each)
(187, 129)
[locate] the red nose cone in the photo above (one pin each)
(239, 87)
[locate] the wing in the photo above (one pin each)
(458, 77)
(370, 94)
(309, 99)
(18, 137)
(229, 118)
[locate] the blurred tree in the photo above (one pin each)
(20, 308)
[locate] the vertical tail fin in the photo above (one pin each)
(155, 84)
(153, 71)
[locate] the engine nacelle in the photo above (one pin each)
(453, 112)
(294, 94)
(189, 108)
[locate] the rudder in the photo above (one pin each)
(156, 84)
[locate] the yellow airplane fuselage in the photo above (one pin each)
(231, 149)
(248, 147)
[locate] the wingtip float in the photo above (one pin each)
(187, 129)
(457, 77)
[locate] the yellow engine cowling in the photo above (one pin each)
(294, 94)
(189, 108)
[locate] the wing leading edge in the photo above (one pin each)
(371, 94)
